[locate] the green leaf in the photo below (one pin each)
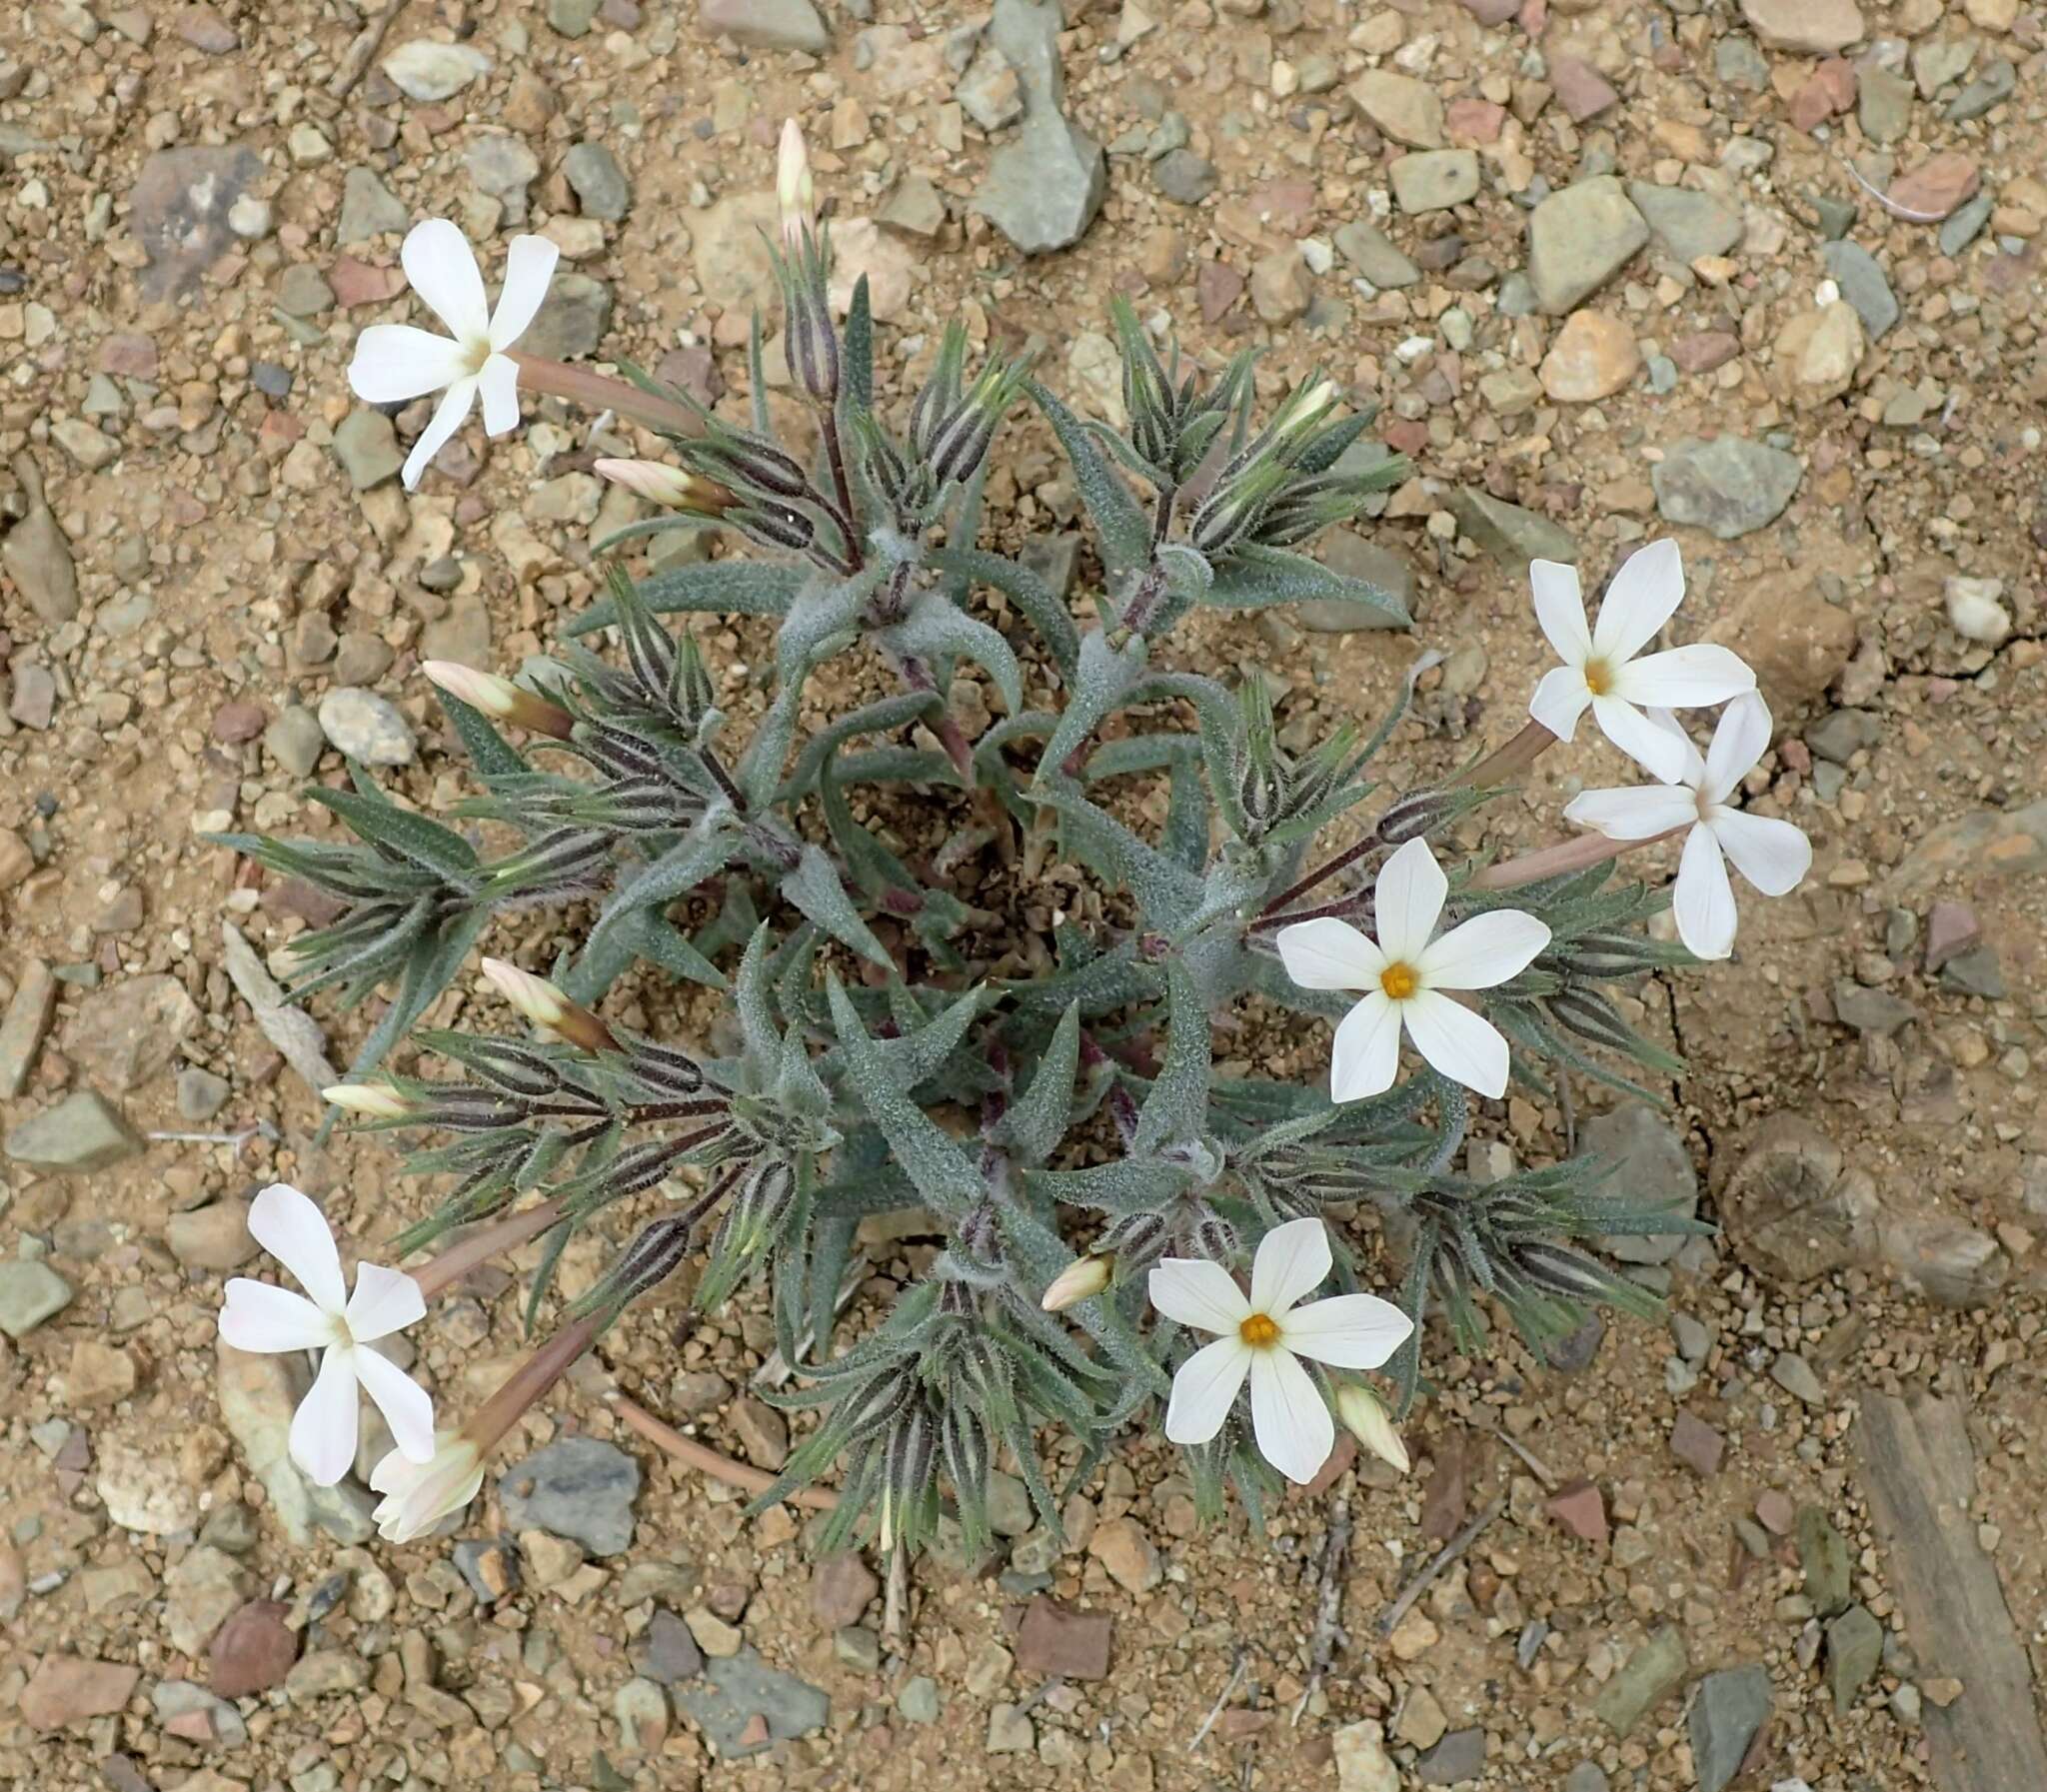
(1039, 603)
(709, 848)
(725, 586)
(814, 888)
(823, 619)
(1255, 577)
(1033, 1126)
(426, 844)
(1124, 532)
(1167, 894)
(489, 753)
(938, 633)
(1102, 680)
(878, 718)
(429, 970)
(1184, 839)
(857, 350)
(1177, 1108)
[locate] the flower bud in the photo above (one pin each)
(794, 192)
(1365, 1417)
(376, 1100)
(545, 1005)
(1082, 1279)
(499, 698)
(669, 486)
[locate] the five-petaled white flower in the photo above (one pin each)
(1599, 669)
(1262, 1337)
(418, 1495)
(1405, 974)
(1774, 855)
(261, 1317)
(393, 362)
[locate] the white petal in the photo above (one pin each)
(1643, 596)
(1291, 1420)
(385, 1301)
(1206, 1388)
(442, 268)
(1560, 610)
(407, 1407)
(499, 384)
(1366, 1056)
(1330, 954)
(1640, 812)
(1291, 1261)
(1694, 764)
(395, 361)
(447, 418)
(1198, 1292)
(1685, 678)
(1466, 1046)
(1350, 1331)
(1771, 855)
(1661, 752)
(1408, 900)
(1704, 903)
(529, 267)
(1484, 951)
(323, 1435)
(1560, 701)
(288, 1225)
(267, 1319)
(1743, 737)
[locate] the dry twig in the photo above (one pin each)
(1236, 1674)
(355, 61)
(708, 1461)
(1328, 1602)
(1442, 1558)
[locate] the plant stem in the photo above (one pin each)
(708, 1461)
(1559, 861)
(1349, 856)
(834, 453)
(599, 392)
(470, 1253)
(1512, 760)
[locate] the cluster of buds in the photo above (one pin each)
(1282, 798)
(803, 268)
(1175, 418)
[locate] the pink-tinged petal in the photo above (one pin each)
(323, 1434)
(1198, 1292)
(1291, 1261)
(1484, 951)
(1771, 855)
(442, 267)
(1366, 1055)
(393, 362)
(499, 385)
(288, 1225)
(447, 418)
(1408, 900)
(1560, 610)
(1466, 1046)
(407, 1407)
(1685, 678)
(1643, 596)
(529, 267)
(1655, 748)
(267, 1319)
(1640, 812)
(1206, 1388)
(1350, 1331)
(1703, 901)
(1289, 1416)
(1330, 954)
(1743, 737)
(385, 1301)
(1560, 701)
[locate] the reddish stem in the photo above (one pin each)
(470, 1253)
(599, 392)
(1568, 855)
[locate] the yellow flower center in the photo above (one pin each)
(1400, 981)
(1598, 676)
(1260, 1332)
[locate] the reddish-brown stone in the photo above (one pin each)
(253, 1650)
(1696, 1444)
(1581, 90)
(1055, 1639)
(1936, 186)
(1582, 1509)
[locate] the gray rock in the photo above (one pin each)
(572, 18)
(737, 1688)
(1729, 485)
(181, 1698)
(502, 166)
(126, 1032)
(366, 727)
(1854, 1650)
(666, 1652)
(1587, 1776)
(366, 445)
(602, 190)
(1460, 1756)
(1687, 223)
(1861, 280)
(1739, 64)
(1875, 1011)
(1373, 256)
(989, 90)
(82, 1133)
(1975, 972)
(919, 1699)
(1965, 224)
(295, 739)
(767, 24)
(1652, 1169)
(1184, 177)
(1645, 1679)
(490, 1564)
(30, 1292)
(368, 208)
(1836, 216)
(37, 556)
(1883, 104)
(303, 292)
(1434, 180)
(258, 1395)
(427, 70)
(571, 321)
(581, 1488)
(1795, 1376)
(1344, 551)
(1993, 87)
(178, 212)
(201, 1095)
(27, 1020)
(1511, 535)
(914, 207)
(1043, 190)
(1579, 239)
(1733, 1705)
(859, 1647)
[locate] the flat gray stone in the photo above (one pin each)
(602, 190)
(1579, 239)
(30, 1292)
(1863, 284)
(429, 70)
(1731, 1706)
(1374, 255)
(1687, 223)
(1344, 551)
(1652, 1169)
(1854, 1651)
(1645, 1681)
(178, 212)
(369, 209)
(1434, 180)
(1044, 188)
(1729, 485)
(366, 445)
(767, 24)
(81, 1134)
(581, 1488)
(571, 321)
(737, 1688)
(1511, 535)
(366, 727)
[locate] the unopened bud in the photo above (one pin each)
(545, 1005)
(1214, 1238)
(499, 698)
(662, 483)
(1080, 1280)
(374, 1101)
(1365, 1417)
(794, 191)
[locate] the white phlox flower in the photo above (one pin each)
(1774, 855)
(418, 1495)
(1405, 975)
(1263, 1338)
